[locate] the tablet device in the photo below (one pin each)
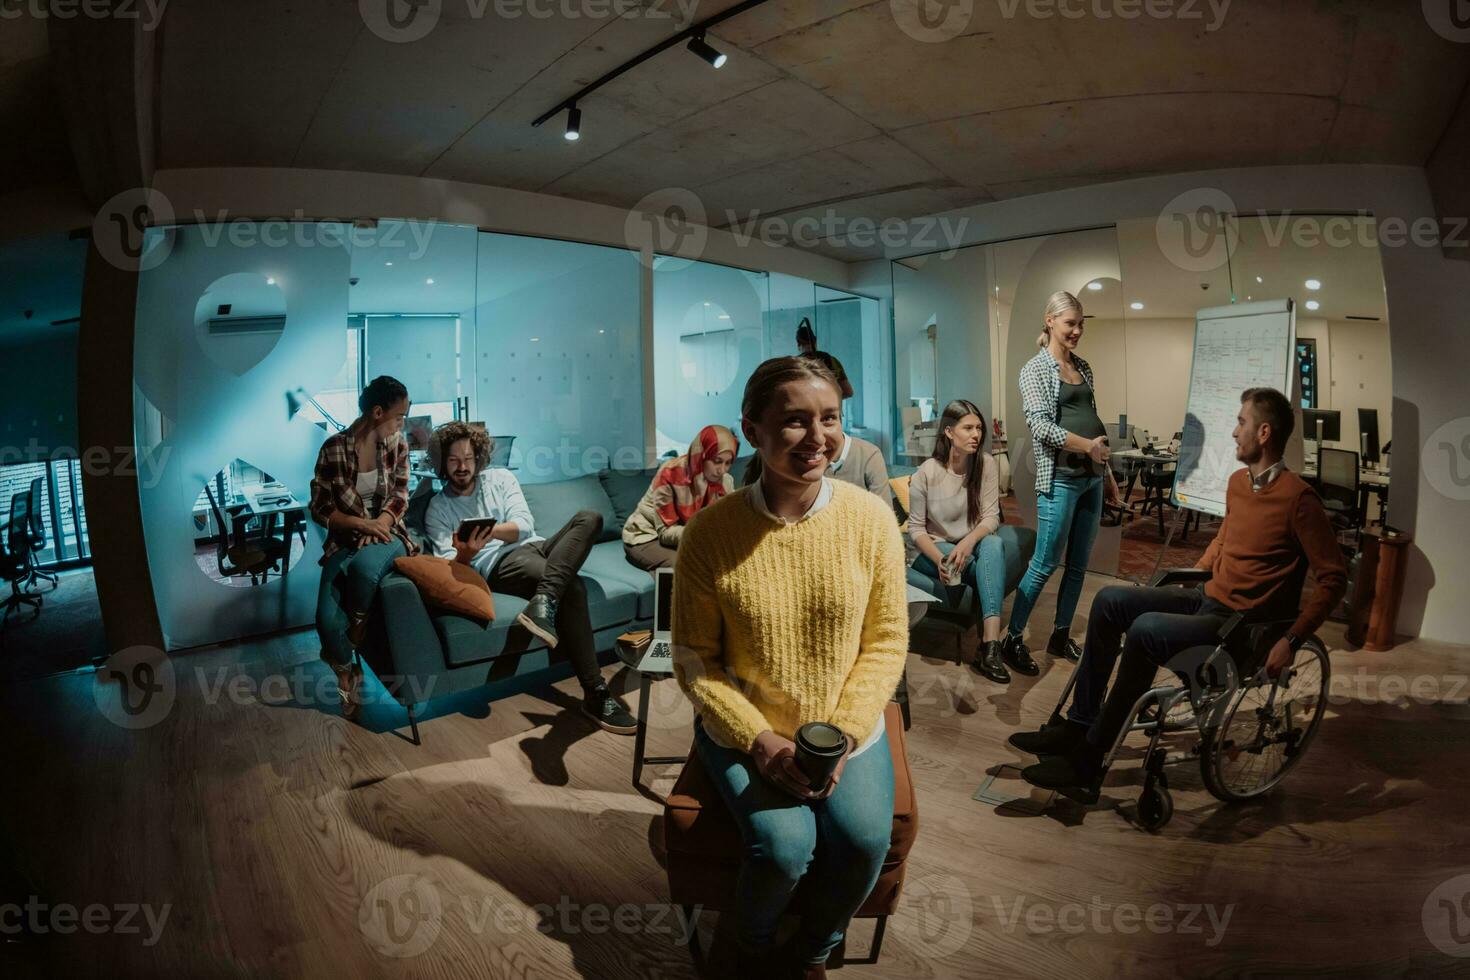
(473, 524)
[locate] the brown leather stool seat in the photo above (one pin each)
(704, 846)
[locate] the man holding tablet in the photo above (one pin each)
(480, 519)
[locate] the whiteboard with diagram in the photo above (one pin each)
(1247, 345)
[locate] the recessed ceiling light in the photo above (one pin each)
(602, 331)
(1094, 285)
(1259, 279)
(270, 280)
(428, 282)
(387, 263)
(1313, 284)
(1135, 305)
(724, 316)
(535, 340)
(1313, 305)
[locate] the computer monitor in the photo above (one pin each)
(1331, 420)
(1368, 433)
(417, 429)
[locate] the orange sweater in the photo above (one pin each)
(1269, 537)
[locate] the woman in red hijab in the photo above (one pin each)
(681, 488)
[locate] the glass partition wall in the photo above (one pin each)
(252, 348)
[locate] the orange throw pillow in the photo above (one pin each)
(449, 585)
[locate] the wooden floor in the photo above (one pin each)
(283, 842)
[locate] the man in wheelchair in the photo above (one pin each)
(1275, 527)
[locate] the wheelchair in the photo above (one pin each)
(1252, 728)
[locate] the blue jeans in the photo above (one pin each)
(350, 578)
(1066, 518)
(985, 572)
(840, 841)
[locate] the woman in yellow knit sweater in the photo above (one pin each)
(790, 608)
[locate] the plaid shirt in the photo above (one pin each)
(1041, 387)
(334, 487)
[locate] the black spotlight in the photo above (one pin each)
(574, 124)
(698, 45)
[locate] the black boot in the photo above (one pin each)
(1014, 652)
(1058, 739)
(987, 663)
(1062, 645)
(603, 707)
(539, 618)
(1079, 773)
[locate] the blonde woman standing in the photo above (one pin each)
(1070, 447)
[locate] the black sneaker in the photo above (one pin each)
(1062, 645)
(987, 663)
(1015, 654)
(609, 712)
(1057, 739)
(539, 618)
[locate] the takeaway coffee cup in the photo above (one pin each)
(819, 747)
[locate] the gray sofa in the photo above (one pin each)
(421, 654)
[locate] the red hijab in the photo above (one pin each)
(683, 476)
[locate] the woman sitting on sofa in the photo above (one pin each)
(683, 487)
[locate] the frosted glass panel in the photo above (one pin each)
(558, 355)
(198, 416)
(420, 351)
(720, 313)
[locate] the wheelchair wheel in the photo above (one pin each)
(1155, 807)
(1254, 746)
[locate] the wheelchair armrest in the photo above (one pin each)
(1180, 576)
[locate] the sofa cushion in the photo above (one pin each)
(625, 488)
(448, 585)
(467, 641)
(554, 504)
(608, 563)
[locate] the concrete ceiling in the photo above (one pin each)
(825, 106)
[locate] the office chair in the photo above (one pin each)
(256, 558)
(15, 556)
(38, 539)
(1337, 485)
(1157, 481)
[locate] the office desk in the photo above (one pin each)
(267, 513)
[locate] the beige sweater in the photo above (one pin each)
(938, 505)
